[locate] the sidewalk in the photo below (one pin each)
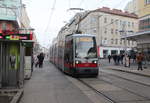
(49, 85)
(132, 69)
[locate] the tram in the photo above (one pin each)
(75, 54)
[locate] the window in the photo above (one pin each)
(124, 42)
(132, 42)
(105, 20)
(128, 24)
(147, 2)
(85, 47)
(120, 22)
(105, 30)
(112, 31)
(105, 41)
(124, 22)
(94, 30)
(116, 31)
(132, 24)
(116, 41)
(128, 42)
(93, 20)
(120, 42)
(112, 41)
(117, 22)
(112, 21)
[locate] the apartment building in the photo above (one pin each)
(109, 25)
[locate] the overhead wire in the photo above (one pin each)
(50, 17)
(81, 3)
(51, 14)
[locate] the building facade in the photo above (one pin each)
(132, 7)
(13, 15)
(143, 35)
(107, 25)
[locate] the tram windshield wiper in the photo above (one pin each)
(86, 57)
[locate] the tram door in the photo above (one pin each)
(10, 64)
(68, 58)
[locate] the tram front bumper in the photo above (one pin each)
(87, 71)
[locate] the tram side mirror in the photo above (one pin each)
(12, 61)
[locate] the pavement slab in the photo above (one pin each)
(49, 85)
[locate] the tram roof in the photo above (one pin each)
(90, 35)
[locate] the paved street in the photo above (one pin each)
(49, 85)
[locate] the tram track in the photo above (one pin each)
(148, 85)
(98, 92)
(110, 99)
(146, 98)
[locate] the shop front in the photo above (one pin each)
(143, 44)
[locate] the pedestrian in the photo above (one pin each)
(40, 59)
(109, 58)
(121, 58)
(139, 59)
(115, 58)
(118, 59)
(37, 61)
(126, 61)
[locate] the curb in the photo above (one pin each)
(130, 72)
(17, 97)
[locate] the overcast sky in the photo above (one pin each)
(48, 16)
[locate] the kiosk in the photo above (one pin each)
(13, 64)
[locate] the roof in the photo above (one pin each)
(116, 12)
(136, 35)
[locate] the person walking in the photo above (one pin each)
(115, 59)
(40, 59)
(126, 60)
(109, 58)
(36, 60)
(139, 59)
(121, 58)
(118, 59)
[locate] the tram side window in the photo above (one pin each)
(68, 51)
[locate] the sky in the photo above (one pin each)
(47, 17)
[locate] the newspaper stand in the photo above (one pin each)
(12, 68)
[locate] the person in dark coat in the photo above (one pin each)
(118, 59)
(40, 59)
(109, 58)
(115, 58)
(139, 61)
(121, 58)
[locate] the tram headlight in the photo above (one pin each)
(77, 62)
(95, 61)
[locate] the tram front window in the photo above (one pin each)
(85, 47)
